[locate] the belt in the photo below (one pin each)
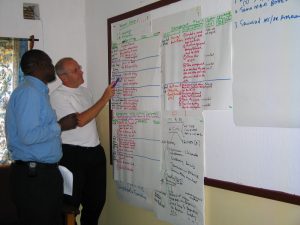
(35, 164)
(73, 147)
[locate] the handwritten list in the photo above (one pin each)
(137, 64)
(259, 12)
(135, 195)
(196, 57)
(180, 199)
(265, 66)
(130, 28)
(136, 141)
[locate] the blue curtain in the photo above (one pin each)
(23, 47)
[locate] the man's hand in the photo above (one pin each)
(108, 93)
(68, 122)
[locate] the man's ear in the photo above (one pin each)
(63, 78)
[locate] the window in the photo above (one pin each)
(11, 51)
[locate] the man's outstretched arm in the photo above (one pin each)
(89, 114)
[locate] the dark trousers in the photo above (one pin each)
(38, 198)
(88, 165)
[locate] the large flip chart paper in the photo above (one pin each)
(136, 110)
(139, 77)
(180, 199)
(196, 64)
(266, 63)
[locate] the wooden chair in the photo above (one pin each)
(70, 213)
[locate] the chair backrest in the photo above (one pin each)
(8, 213)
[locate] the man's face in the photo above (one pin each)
(48, 70)
(51, 73)
(73, 73)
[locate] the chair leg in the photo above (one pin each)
(70, 219)
(70, 212)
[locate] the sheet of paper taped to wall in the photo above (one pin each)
(68, 180)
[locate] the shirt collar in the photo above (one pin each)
(37, 83)
(70, 89)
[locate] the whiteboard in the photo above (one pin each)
(256, 156)
(264, 157)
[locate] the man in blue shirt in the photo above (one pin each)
(33, 139)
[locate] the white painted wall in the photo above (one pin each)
(75, 28)
(61, 29)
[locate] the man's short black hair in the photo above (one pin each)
(32, 59)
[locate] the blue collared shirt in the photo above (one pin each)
(31, 127)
